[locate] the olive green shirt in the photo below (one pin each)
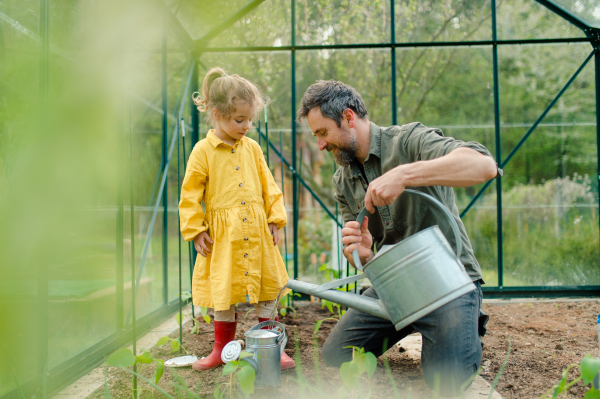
(409, 214)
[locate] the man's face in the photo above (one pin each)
(341, 140)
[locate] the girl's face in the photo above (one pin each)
(237, 126)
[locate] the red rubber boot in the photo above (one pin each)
(224, 333)
(286, 361)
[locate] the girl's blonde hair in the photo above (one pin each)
(220, 91)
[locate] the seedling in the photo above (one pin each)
(588, 368)
(245, 376)
(352, 372)
(185, 296)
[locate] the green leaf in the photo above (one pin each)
(175, 346)
(162, 341)
(246, 377)
(342, 392)
(160, 368)
(145, 358)
(370, 363)
(179, 318)
(317, 326)
(323, 267)
(230, 368)
(283, 312)
(592, 394)
(121, 358)
(203, 310)
(350, 374)
(589, 368)
(185, 295)
(207, 318)
(195, 329)
(244, 354)
(329, 306)
(560, 387)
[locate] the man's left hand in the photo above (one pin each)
(385, 189)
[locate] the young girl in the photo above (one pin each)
(237, 233)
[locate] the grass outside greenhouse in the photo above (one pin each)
(97, 123)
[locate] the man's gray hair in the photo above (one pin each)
(333, 97)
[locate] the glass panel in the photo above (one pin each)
(432, 21)
(19, 196)
(525, 19)
(550, 197)
(266, 25)
(586, 10)
(342, 22)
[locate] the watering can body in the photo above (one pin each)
(412, 278)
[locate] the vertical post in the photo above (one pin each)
(132, 227)
(163, 163)
(283, 193)
(42, 282)
(194, 137)
(267, 134)
(179, 229)
(119, 232)
(294, 159)
(393, 50)
(498, 146)
(597, 65)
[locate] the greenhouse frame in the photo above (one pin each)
(96, 130)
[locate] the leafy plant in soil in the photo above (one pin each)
(352, 372)
(588, 368)
(245, 375)
(185, 297)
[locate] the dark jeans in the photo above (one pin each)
(451, 350)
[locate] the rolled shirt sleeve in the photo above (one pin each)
(422, 143)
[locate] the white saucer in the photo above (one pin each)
(181, 361)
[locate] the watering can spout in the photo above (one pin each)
(359, 302)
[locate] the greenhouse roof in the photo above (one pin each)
(201, 21)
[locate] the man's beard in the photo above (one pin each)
(346, 151)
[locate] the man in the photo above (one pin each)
(377, 164)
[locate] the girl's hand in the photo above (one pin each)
(355, 236)
(201, 243)
(274, 233)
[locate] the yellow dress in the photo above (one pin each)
(241, 199)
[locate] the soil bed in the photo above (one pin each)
(545, 338)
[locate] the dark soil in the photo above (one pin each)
(545, 338)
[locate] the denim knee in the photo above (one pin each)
(334, 355)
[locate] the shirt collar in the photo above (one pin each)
(374, 148)
(215, 141)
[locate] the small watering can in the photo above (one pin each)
(412, 278)
(266, 341)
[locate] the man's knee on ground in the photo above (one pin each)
(334, 354)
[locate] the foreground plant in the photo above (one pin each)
(245, 376)
(588, 368)
(352, 372)
(185, 297)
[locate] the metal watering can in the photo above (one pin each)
(412, 278)
(266, 341)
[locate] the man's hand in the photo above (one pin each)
(385, 189)
(201, 243)
(355, 236)
(274, 232)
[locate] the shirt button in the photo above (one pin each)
(245, 255)
(243, 202)
(241, 184)
(245, 273)
(237, 168)
(387, 223)
(245, 238)
(245, 220)
(232, 150)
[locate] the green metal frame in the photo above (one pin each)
(50, 381)
(592, 37)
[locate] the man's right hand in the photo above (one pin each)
(201, 243)
(355, 236)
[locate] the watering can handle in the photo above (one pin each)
(364, 212)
